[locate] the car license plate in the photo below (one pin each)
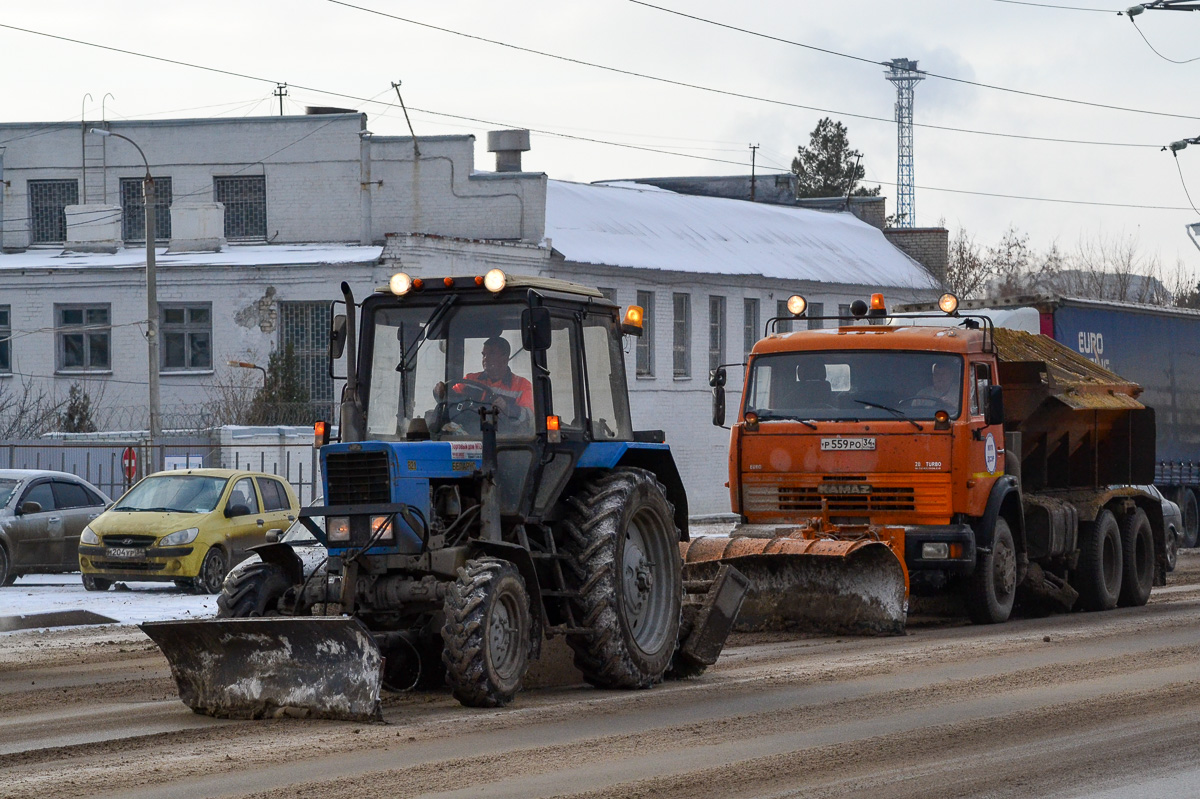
(847, 443)
(125, 553)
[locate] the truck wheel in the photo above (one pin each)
(1190, 510)
(91, 583)
(624, 547)
(253, 591)
(212, 572)
(1098, 579)
(993, 586)
(1137, 560)
(487, 634)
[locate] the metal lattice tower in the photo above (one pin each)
(905, 75)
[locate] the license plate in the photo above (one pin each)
(847, 443)
(843, 488)
(125, 553)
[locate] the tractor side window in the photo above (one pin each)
(606, 380)
(564, 376)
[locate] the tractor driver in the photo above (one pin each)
(510, 393)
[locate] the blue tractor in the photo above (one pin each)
(488, 492)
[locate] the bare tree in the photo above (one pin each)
(967, 272)
(27, 411)
(1114, 268)
(231, 397)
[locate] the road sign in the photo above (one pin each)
(129, 462)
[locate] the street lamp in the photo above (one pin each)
(151, 303)
(244, 365)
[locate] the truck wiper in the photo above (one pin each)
(771, 417)
(899, 414)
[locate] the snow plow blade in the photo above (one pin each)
(857, 587)
(311, 667)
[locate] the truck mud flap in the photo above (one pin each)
(257, 668)
(825, 586)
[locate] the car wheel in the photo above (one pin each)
(1189, 509)
(212, 572)
(6, 576)
(93, 583)
(1172, 546)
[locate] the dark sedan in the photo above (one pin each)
(41, 516)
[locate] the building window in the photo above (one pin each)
(816, 309)
(5, 340)
(245, 200)
(609, 294)
(133, 209)
(784, 325)
(48, 200)
(682, 345)
(716, 332)
(305, 325)
(844, 312)
(645, 344)
(186, 335)
(83, 338)
(750, 332)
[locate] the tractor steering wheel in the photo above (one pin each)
(463, 396)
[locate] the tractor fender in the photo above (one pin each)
(1004, 500)
(653, 457)
(518, 556)
(283, 556)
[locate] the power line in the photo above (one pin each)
(1064, 8)
(884, 64)
(1153, 49)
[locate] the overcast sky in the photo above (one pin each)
(1080, 55)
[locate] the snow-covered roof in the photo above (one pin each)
(236, 255)
(635, 225)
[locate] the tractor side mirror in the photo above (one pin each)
(337, 337)
(718, 396)
(995, 406)
(535, 329)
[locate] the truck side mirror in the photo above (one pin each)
(995, 406)
(535, 329)
(337, 337)
(717, 377)
(718, 402)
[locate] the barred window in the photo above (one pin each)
(844, 312)
(83, 338)
(645, 344)
(716, 332)
(5, 339)
(133, 209)
(816, 309)
(186, 335)
(48, 200)
(609, 294)
(682, 346)
(305, 325)
(245, 199)
(784, 325)
(750, 329)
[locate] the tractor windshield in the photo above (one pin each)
(854, 385)
(434, 366)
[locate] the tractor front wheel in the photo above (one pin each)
(624, 549)
(253, 591)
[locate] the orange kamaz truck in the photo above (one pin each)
(996, 464)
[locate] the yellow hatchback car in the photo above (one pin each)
(188, 526)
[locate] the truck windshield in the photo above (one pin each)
(437, 379)
(850, 385)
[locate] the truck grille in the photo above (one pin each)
(888, 494)
(357, 478)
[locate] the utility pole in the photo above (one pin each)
(280, 92)
(753, 177)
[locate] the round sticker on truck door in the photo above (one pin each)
(989, 454)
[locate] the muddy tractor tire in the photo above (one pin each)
(253, 591)
(624, 551)
(1137, 560)
(1098, 578)
(993, 587)
(213, 569)
(487, 635)
(91, 583)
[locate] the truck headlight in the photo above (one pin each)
(337, 528)
(88, 536)
(935, 551)
(179, 537)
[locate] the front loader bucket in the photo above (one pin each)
(318, 667)
(829, 586)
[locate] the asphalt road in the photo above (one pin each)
(1096, 705)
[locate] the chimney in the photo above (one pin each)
(508, 146)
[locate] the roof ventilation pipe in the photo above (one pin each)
(508, 146)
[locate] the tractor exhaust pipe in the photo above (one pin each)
(351, 410)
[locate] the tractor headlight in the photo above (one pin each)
(337, 528)
(495, 280)
(178, 537)
(400, 284)
(379, 523)
(88, 536)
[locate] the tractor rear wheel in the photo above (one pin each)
(487, 636)
(624, 550)
(253, 591)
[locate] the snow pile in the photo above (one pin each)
(138, 602)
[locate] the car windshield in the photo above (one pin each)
(7, 487)
(436, 376)
(182, 493)
(854, 385)
(298, 533)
